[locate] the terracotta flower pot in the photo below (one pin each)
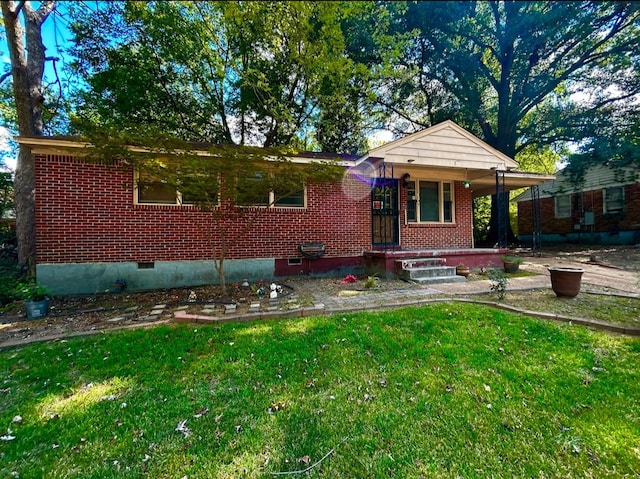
(462, 271)
(511, 266)
(565, 282)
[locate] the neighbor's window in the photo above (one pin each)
(563, 206)
(430, 201)
(193, 190)
(253, 190)
(614, 200)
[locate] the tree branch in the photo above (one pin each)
(4, 76)
(315, 464)
(44, 10)
(16, 12)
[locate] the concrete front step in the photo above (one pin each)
(410, 263)
(440, 279)
(426, 271)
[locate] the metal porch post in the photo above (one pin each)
(537, 221)
(501, 205)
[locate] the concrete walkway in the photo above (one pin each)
(596, 278)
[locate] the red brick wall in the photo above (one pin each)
(85, 213)
(592, 201)
(426, 236)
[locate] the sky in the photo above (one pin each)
(55, 36)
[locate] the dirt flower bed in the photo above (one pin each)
(106, 311)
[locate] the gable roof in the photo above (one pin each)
(447, 145)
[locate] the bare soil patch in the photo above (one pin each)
(106, 311)
(624, 257)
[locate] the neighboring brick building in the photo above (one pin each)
(603, 208)
(93, 226)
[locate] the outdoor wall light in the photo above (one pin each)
(405, 179)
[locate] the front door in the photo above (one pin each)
(384, 212)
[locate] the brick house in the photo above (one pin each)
(409, 198)
(602, 208)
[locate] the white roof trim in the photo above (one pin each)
(397, 151)
(44, 145)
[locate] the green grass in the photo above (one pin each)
(613, 309)
(444, 391)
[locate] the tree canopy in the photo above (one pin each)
(258, 73)
(516, 73)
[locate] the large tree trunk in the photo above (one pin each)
(27, 67)
(494, 228)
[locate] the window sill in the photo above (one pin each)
(163, 206)
(431, 225)
(273, 208)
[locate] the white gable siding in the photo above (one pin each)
(444, 145)
(596, 178)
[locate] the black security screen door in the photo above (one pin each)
(384, 212)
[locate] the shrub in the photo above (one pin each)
(499, 283)
(371, 282)
(31, 291)
(511, 259)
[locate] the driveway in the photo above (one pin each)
(597, 272)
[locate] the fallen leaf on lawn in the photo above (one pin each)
(304, 460)
(201, 412)
(182, 427)
(17, 419)
(487, 387)
(277, 406)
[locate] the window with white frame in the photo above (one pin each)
(563, 206)
(257, 191)
(250, 191)
(152, 189)
(613, 201)
(430, 201)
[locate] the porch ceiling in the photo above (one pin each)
(485, 184)
(482, 182)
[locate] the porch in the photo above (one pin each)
(383, 262)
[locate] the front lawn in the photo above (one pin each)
(602, 307)
(450, 390)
